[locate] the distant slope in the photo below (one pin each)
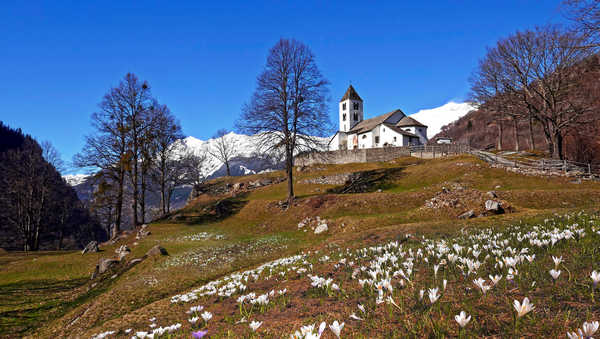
(247, 160)
(480, 128)
(438, 117)
(38, 210)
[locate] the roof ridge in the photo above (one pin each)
(351, 94)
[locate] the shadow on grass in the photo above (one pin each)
(27, 305)
(215, 211)
(371, 181)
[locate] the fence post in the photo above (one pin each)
(433, 151)
(589, 168)
(543, 167)
(565, 166)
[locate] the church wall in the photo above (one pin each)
(387, 136)
(334, 144)
(365, 140)
(422, 133)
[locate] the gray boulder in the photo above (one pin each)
(467, 215)
(122, 251)
(493, 206)
(143, 232)
(156, 250)
(492, 194)
(322, 228)
(105, 264)
(92, 246)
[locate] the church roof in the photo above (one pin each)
(408, 121)
(351, 94)
(369, 124)
(400, 130)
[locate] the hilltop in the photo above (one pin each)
(239, 224)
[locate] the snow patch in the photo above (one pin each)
(75, 179)
(436, 118)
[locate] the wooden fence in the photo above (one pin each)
(438, 151)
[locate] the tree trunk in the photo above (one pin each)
(135, 192)
(143, 199)
(169, 194)
(500, 135)
(163, 194)
(119, 205)
(289, 167)
(558, 146)
(227, 168)
(531, 140)
(60, 240)
(516, 130)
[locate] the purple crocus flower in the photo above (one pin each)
(199, 334)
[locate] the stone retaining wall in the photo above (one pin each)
(352, 156)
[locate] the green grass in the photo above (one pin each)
(257, 230)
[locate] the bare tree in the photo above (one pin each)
(106, 149)
(223, 149)
(168, 172)
(586, 16)
(134, 98)
(531, 74)
(192, 167)
(52, 156)
(288, 106)
(26, 189)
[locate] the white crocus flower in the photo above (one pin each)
(355, 317)
(495, 279)
(555, 274)
(254, 325)
(523, 308)
(322, 328)
(557, 261)
(193, 320)
(336, 328)
(433, 295)
(589, 328)
(595, 277)
(479, 282)
(206, 316)
(462, 319)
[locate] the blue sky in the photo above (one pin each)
(202, 58)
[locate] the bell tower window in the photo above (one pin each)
(356, 116)
(356, 105)
(343, 106)
(344, 117)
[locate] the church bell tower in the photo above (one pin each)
(351, 110)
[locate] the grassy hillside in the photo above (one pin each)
(50, 294)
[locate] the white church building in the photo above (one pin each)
(390, 129)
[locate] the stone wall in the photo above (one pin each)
(352, 156)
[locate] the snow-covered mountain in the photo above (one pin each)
(438, 117)
(247, 158)
(75, 179)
